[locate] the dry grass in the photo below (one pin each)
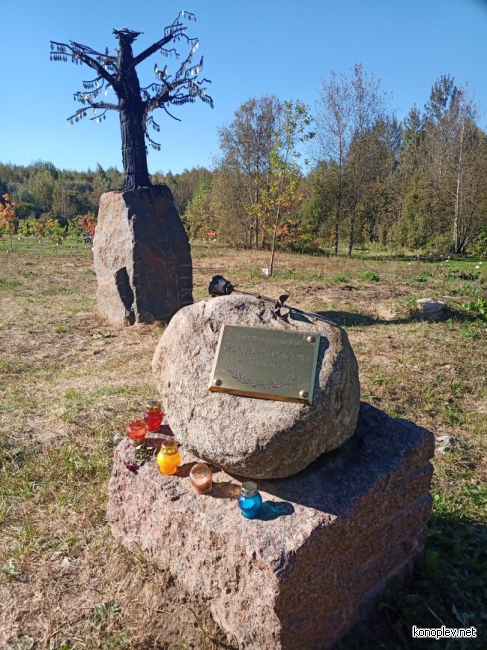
(69, 383)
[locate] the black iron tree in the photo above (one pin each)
(119, 72)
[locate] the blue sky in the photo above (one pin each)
(251, 47)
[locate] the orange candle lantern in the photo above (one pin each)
(201, 478)
(168, 457)
(136, 432)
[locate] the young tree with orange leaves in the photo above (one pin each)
(280, 195)
(8, 217)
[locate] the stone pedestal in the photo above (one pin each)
(142, 256)
(325, 544)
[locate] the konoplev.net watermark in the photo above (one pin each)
(444, 632)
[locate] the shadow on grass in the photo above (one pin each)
(447, 587)
(353, 319)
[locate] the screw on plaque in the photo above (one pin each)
(217, 382)
(311, 339)
(303, 394)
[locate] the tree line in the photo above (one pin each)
(346, 174)
(412, 184)
(42, 199)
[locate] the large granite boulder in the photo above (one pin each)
(248, 436)
(142, 256)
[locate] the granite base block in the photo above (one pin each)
(325, 544)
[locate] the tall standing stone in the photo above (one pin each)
(142, 256)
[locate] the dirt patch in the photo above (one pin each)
(104, 592)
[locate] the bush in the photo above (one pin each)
(480, 307)
(338, 279)
(370, 276)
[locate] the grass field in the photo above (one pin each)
(69, 383)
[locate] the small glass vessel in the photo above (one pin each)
(201, 478)
(153, 415)
(249, 500)
(136, 432)
(168, 457)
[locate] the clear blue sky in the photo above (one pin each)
(251, 47)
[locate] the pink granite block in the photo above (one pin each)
(325, 544)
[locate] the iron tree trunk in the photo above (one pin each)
(131, 108)
(134, 153)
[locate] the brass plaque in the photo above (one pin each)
(260, 362)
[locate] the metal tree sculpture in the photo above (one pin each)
(135, 103)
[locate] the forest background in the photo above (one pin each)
(342, 175)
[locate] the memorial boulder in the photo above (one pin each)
(246, 435)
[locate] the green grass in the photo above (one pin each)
(370, 276)
(44, 248)
(69, 384)
(338, 279)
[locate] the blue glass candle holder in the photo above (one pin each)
(249, 500)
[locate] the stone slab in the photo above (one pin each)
(324, 546)
(142, 257)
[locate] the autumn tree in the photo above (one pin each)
(199, 215)
(229, 203)
(284, 172)
(246, 144)
(457, 151)
(334, 134)
(367, 111)
(135, 104)
(183, 185)
(348, 109)
(8, 217)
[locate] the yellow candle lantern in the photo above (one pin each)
(168, 457)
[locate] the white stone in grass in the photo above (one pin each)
(430, 306)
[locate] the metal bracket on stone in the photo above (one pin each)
(220, 286)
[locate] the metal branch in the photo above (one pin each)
(159, 45)
(155, 145)
(220, 286)
(93, 52)
(170, 114)
(79, 51)
(99, 105)
(158, 100)
(155, 125)
(92, 81)
(98, 117)
(165, 52)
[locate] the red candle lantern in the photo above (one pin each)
(153, 415)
